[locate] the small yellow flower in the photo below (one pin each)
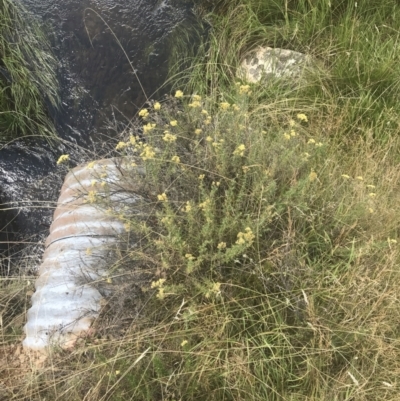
(163, 197)
(345, 176)
(63, 159)
(391, 241)
(188, 207)
(143, 113)
(371, 210)
(302, 117)
(93, 183)
(91, 196)
(246, 237)
(370, 186)
(194, 104)
(312, 176)
(235, 107)
(148, 127)
(157, 106)
(209, 139)
(175, 159)
(178, 94)
(240, 150)
(197, 98)
(244, 88)
(121, 145)
(157, 284)
(359, 178)
(132, 140)
(173, 123)
(169, 137)
(221, 245)
(198, 131)
(133, 164)
(189, 256)
(372, 194)
(204, 204)
(292, 123)
(286, 136)
(319, 144)
(293, 133)
(201, 177)
(224, 105)
(205, 112)
(311, 141)
(103, 184)
(148, 152)
(183, 343)
(91, 165)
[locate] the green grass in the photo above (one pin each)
(270, 228)
(28, 80)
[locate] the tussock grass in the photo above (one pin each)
(270, 228)
(27, 76)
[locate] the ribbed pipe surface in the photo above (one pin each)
(82, 239)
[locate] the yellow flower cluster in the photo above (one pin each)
(245, 238)
(91, 196)
(244, 89)
(175, 159)
(168, 137)
(204, 205)
(173, 123)
(188, 207)
(157, 106)
(148, 127)
(63, 159)
(143, 113)
(194, 104)
(160, 285)
(121, 145)
(302, 117)
(214, 290)
(224, 105)
(163, 197)
(157, 284)
(178, 94)
(221, 245)
(148, 152)
(190, 257)
(239, 151)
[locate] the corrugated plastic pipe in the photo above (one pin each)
(82, 238)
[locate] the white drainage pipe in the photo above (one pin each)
(82, 238)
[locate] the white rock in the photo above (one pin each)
(266, 64)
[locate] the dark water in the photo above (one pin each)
(100, 45)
